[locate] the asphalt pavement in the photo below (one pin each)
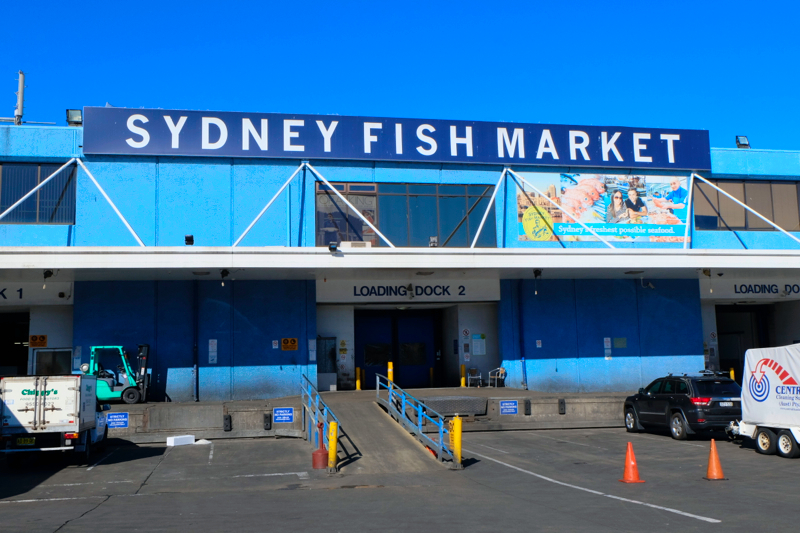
(554, 480)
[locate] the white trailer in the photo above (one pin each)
(51, 413)
(771, 400)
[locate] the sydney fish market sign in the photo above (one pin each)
(162, 132)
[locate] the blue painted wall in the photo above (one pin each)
(166, 198)
(243, 316)
(661, 329)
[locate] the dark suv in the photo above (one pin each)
(685, 404)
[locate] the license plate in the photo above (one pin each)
(726, 404)
(25, 441)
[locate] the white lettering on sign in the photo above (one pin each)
(389, 291)
(132, 120)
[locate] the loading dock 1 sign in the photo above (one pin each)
(117, 420)
(509, 407)
(288, 344)
(283, 415)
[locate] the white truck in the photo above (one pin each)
(51, 413)
(771, 400)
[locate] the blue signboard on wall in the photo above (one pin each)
(509, 407)
(117, 420)
(160, 132)
(283, 415)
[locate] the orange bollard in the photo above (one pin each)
(631, 474)
(714, 472)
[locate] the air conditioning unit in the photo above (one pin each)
(355, 244)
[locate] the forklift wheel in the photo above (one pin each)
(131, 395)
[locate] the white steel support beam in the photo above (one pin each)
(756, 213)
(590, 230)
(489, 207)
(32, 191)
(114, 207)
(253, 223)
(689, 211)
(351, 206)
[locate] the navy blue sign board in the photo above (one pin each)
(508, 407)
(283, 415)
(117, 420)
(160, 132)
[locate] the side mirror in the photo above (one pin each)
(85, 368)
(641, 390)
(106, 407)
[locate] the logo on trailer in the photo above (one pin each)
(759, 383)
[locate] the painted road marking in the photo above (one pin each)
(301, 475)
(87, 483)
(101, 460)
(211, 453)
(672, 440)
(495, 449)
(52, 499)
(569, 442)
(598, 493)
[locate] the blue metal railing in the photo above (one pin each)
(412, 414)
(314, 412)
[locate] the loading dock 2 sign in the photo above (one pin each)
(289, 344)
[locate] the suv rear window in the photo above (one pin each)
(717, 388)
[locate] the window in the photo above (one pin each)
(654, 387)
(418, 215)
(52, 204)
(777, 201)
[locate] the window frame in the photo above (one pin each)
(714, 202)
(43, 217)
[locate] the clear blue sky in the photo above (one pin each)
(730, 67)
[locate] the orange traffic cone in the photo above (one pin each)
(631, 474)
(714, 472)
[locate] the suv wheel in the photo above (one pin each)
(766, 441)
(631, 424)
(677, 427)
(786, 445)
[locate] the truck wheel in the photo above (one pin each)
(131, 395)
(631, 424)
(677, 427)
(786, 445)
(85, 457)
(765, 441)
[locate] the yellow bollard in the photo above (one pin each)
(358, 378)
(463, 375)
(733, 374)
(457, 441)
(333, 438)
(390, 373)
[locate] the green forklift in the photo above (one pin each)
(124, 384)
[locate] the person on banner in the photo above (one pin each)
(677, 199)
(635, 205)
(617, 210)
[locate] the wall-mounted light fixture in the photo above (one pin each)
(47, 274)
(224, 273)
(333, 247)
(74, 117)
(536, 275)
(188, 240)
(742, 142)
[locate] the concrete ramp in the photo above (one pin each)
(377, 443)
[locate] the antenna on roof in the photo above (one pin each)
(20, 99)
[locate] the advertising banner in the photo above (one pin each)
(157, 132)
(770, 390)
(620, 208)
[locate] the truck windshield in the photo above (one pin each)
(717, 388)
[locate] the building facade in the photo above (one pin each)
(248, 250)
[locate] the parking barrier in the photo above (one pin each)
(333, 439)
(391, 371)
(631, 473)
(358, 378)
(412, 414)
(714, 471)
(463, 375)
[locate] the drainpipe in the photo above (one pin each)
(195, 357)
